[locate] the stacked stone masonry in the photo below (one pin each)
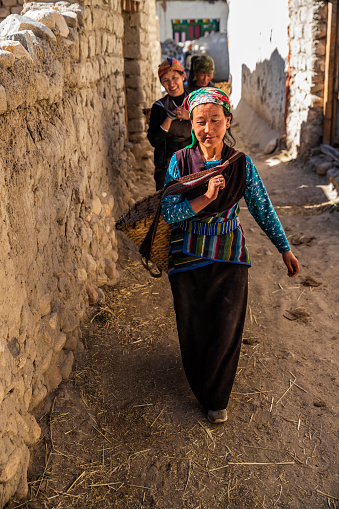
(264, 90)
(8, 7)
(142, 57)
(308, 28)
(67, 172)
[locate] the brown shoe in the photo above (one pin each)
(217, 416)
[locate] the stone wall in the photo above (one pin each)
(142, 56)
(308, 24)
(66, 174)
(8, 7)
(264, 90)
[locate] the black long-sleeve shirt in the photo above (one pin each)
(165, 144)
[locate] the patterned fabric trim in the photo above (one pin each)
(201, 228)
(231, 246)
(190, 251)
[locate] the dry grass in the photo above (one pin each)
(99, 452)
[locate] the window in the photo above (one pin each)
(190, 29)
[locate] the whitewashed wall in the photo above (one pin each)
(256, 29)
(172, 9)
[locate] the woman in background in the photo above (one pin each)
(201, 73)
(169, 126)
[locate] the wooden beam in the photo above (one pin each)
(330, 67)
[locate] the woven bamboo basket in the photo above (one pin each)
(136, 222)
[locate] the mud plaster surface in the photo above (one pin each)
(125, 430)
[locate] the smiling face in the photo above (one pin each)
(202, 79)
(210, 124)
(173, 83)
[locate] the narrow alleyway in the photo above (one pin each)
(125, 430)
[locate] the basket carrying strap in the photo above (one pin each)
(180, 186)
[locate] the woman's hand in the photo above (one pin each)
(181, 113)
(291, 263)
(214, 184)
(167, 124)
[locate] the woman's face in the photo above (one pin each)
(173, 83)
(203, 80)
(210, 124)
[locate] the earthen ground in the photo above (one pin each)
(125, 431)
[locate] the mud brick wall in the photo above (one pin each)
(66, 174)
(264, 90)
(308, 26)
(142, 56)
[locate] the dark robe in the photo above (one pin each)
(210, 301)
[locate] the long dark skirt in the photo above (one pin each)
(210, 305)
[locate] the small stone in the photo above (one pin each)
(28, 40)
(71, 341)
(2, 393)
(33, 432)
(46, 362)
(62, 201)
(111, 201)
(104, 239)
(82, 275)
(53, 321)
(101, 296)
(51, 19)
(8, 469)
(316, 161)
(16, 48)
(22, 486)
(332, 173)
(92, 295)
(69, 322)
(14, 347)
(71, 18)
(90, 263)
(101, 279)
(96, 206)
(108, 248)
(45, 304)
(38, 396)
(3, 99)
(67, 364)
(16, 23)
(114, 256)
(323, 167)
(110, 269)
(107, 209)
(271, 146)
(27, 397)
(53, 378)
(80, 347)
(59, 342)
(46, 336)
(21, 362)
(6, 59)
(319, 403)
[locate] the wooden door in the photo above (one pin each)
(331, 89)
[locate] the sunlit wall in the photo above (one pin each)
(256, 28)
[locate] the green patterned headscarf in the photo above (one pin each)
(204, 64)
(204, 96)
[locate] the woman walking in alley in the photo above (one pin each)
(208, 257)
(169, 127)
(201, 73)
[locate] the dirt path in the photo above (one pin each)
(125, 430)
